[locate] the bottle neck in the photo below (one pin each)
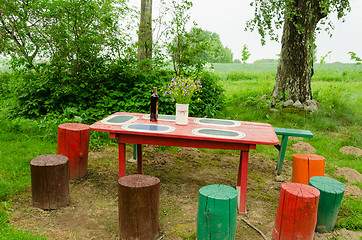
(154, 90)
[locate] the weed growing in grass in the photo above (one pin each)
(8, 231)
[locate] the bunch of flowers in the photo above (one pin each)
(182, 89)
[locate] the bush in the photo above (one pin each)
(5, 79)
(102, 88)
(99, 89)
(206, 103)
(212, 97)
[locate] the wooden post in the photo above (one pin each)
(329, 201)
(139, 159)
(73, 142)
(138, 204)
(296, 216)
(242, 180)
(281, 155)
(306, 166)
(216, 216)
(49, 181)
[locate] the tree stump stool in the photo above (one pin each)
(49, 181)
(217, 212)
(329, 201)
(306, 166)
(73, 142)
(138, 204)
(296, 216)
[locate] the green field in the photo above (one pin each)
(261, 67)
(337, 123)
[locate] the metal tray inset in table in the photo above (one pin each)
(217, 122)
(119, 119)
(218, 133)
(143, 127)
(162, 117)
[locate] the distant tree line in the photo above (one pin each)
(216, 53)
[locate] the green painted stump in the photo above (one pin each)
(329, 202)
(216, 217)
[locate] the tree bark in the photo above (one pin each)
(145, 31)
(295, 68)
(49, 181)
(138, 205)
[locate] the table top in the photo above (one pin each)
(209, 129)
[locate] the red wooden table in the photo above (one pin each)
(136, 128)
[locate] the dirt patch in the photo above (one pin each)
(351, 150)
(338, 234)
(162, 159)
(350, 174)
(189, 153)
(93, 210)
(303, 147)
(353, 190)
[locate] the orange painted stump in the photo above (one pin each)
(73, 142)
(296, 216)
(49, 181)
(306, 166)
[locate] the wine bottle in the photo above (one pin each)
(154, 105)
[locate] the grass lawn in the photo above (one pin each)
(337, 123)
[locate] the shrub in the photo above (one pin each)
(206, 103)
(104, 87)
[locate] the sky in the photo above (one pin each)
(228, 18)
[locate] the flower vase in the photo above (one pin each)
(182, 114)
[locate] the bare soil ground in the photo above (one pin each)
(93, 209)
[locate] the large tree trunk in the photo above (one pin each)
(145, 31)
(295, 69)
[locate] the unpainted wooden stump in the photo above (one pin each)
(138, 205)
(73, 142)
(50, 181)
(296, 216)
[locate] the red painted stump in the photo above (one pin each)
(296, 216)
(73, 142)
(138, 204)
(49, 181)
(306, 166)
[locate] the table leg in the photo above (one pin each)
(242, 181)
(281, 155)
(139, 159)
(122, 159)
(134, 151)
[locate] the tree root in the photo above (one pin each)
(253, 227)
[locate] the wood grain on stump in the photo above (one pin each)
(306, 166)
(73, 142)
(138, 206)
(296, 216)
(50, 181)
(217, 212)
(330, 200)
